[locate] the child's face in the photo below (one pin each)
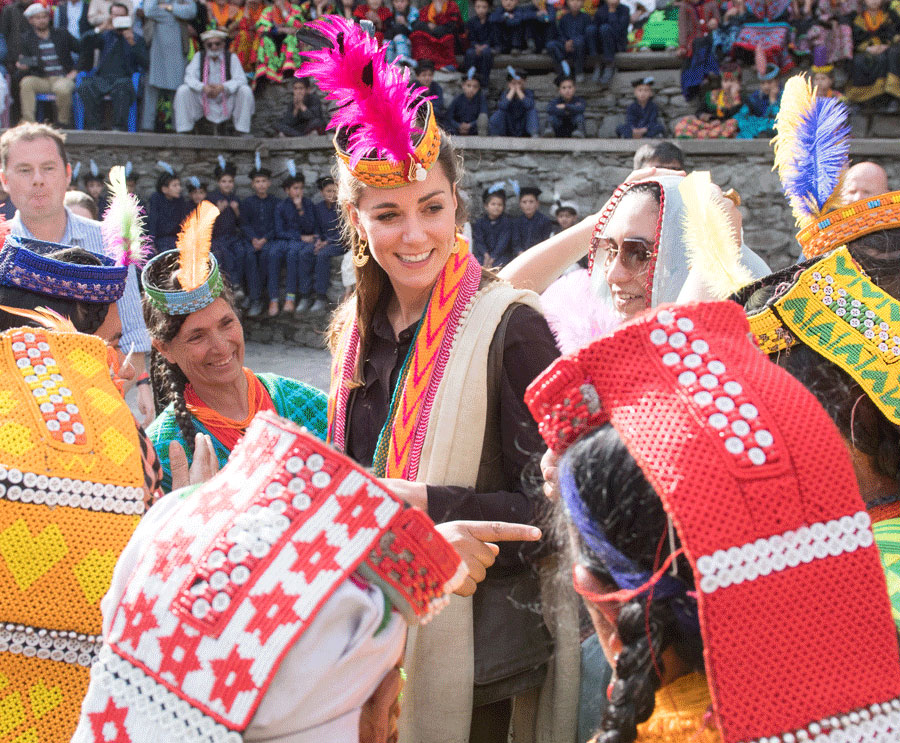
(768, 87)
(401, 7)
(567, 90)
(131, 184)
(574, 6)
(509, 5)
(198, 195)
(425, 77)
(329, 193)
(94, 188)
(528, 204)
(822, 82)
(643, 93)
(374, 4)
(612, 4)
(471, 87)
(173, 190)
(295, 191)
(226, 184)
(481, 9)
(873, 4)
(494, 206)
(566, 218)
(300, 91)
(261, 186)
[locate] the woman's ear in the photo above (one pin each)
(353, 216)
(164, 350)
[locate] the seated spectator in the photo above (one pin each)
(468, 111)
(565, 113)
(642, 117)
(439, 34)
(765, 29)
(493, 232)
(575, 37)
(566, 214)
(246, 39)
(165, 212)
(258, 222)
(94, 186)
(46, 65)
(304, 112)
(278, 51)
(510, 24)
(215, 88)
(757, 116)
(729, 27)
(482, 37)
(830, 39)
(539, 24)
(611, 22)
(295, 236)
(875, 70)
(823, 79)
(120, 53)
(516, 114)
(377, 13)
(532, 225)
(80, 203)
(99, 13)
(328, 245)
(72, 15)
(425, 77)
(224, 16)
(398, 30)
(196, 190)
(697, 21)
(168, 59)
(131, 183)
(715, 114)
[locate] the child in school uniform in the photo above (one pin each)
(482, 40)
(641, 116)
(258, 223)
(196, 191)
(510, 23)
(295, 230)
(166, 211)
(493, 232)
(532, 225)
(327, 245)
(516, 114)
(467, 114)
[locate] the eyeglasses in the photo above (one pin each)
(634, 253)
(215, 44)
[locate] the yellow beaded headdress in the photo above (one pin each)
(811, 155)
(386, 132)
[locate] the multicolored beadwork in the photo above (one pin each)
(181, 302)
(848, 223)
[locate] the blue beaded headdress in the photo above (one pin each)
(25, 263)
(183, 302)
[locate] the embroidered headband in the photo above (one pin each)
(735, 448)
(377, 135)
(26, 263)
(183, 302)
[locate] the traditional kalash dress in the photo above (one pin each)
(721, 123)
(246, 39)
(828, 302)
(277, 53)
(267, 604)
(442, 405)
(872, 75)
(299, 402)
(787, 595)
(73, 485)
(765, 25)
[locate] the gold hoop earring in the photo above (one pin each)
(455, 247)
(360, 256)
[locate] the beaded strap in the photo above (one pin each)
(848, 223)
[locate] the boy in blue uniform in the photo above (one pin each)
(565, 113)
(642, 116)
(611, 21)
(516, 114)
(166, 211)
(425, 78)
(531, 226)
(575, 37)
(468, 112)
(328, 244)
(482, 39)
(510, 22)
(492, 234)
(295, 235)
(258, 223)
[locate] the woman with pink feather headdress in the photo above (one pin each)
(432, 356)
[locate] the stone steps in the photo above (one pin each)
(644, 60)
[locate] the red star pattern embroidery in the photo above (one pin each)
(307, 562)
(108, 723)
(272, 610)
(179, 653)
(139, 618)
(232, 676)
(363, 513)
(170, 554)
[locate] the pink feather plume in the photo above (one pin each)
(575, 314)
(376, 103)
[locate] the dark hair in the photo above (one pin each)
(560, 79)
(87, 317)
(303, 81)
(290, 180)
(168, 380)
(487, 195)
(424, 64)
(659, 154)
(164, 179)
(120, 5)
(627, 510)
(191, 187)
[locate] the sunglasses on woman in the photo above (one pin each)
(634, 253)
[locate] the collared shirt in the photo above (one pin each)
(85, 233)
(73, 16)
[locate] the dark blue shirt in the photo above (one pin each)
(759, 105)
(466, 109)
(328, 222)
(164, 216)
(226, 225)
(481, 32)
(520, 15)
(572, 26)
(572, 108)
(437, 92)
(494, 238)
(618, 20)
(516, 111)
(290, 224)
(258, 216)
(639, 118)
(529, 232)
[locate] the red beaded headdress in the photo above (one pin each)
(799, 641)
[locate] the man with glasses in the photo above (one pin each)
(215, 88)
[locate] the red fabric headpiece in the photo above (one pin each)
(793, 605)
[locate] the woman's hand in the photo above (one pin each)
(550, 473)
(204, 465)
(475, 541)
(414, 493)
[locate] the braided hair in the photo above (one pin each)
(167, 379)
(627, 510)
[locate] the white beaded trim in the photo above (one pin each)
(878, 723)
(748, 562)
(28, 487)
(130, 687)
(57, 645)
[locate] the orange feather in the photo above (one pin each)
(193, 244)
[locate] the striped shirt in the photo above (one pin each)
(85, 233)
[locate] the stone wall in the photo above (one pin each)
(584, 171)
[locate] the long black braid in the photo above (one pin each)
(627, 510)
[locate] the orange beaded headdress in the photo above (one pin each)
(386, 132)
